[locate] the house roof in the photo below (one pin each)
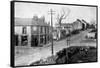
(65, 24)
(29, 22)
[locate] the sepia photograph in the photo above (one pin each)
(54, 33)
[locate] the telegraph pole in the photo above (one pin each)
(68, 39)
(68, 42)
(51, 12)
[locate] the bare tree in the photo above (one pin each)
(62, 16)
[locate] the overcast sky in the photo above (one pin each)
(28, 10)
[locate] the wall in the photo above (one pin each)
(77, 25)
(18, 30)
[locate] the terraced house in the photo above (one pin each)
(31, 31)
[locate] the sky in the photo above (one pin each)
(28, 10)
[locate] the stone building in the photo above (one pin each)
(31, 31)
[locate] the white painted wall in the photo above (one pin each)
(28, 30)
(18, 30)
(77, 25)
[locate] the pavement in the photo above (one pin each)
(27, 55)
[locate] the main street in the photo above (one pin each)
(33, 54)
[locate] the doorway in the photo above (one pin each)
(34, 40)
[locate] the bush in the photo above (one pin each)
(73, 54)
(75, 32)
(76, 54)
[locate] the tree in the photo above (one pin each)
(62, 16)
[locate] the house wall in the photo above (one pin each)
(85, 25)
(18, 30)
(77, 25)
(41, 32)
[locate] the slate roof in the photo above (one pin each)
(29, 22)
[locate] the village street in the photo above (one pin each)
(33, 54)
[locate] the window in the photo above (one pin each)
(24, 30)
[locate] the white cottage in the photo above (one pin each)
(77, 25)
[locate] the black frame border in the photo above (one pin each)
(12, 51)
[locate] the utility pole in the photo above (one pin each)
(51, 12)
(68, 42)
(68, 39)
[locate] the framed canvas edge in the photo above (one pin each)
(12, 34)
(12, 51)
